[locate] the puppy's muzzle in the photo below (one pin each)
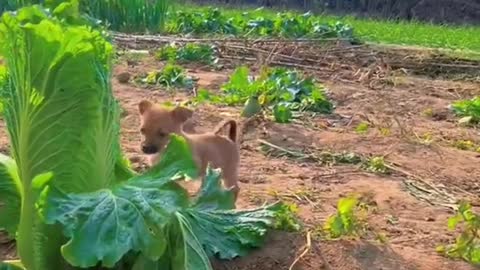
(149, 149)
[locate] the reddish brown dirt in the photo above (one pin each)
(414, 223)
(419, 226)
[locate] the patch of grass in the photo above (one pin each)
(467, 244)
(417, 34)
(469, 110)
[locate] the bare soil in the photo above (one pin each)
(412, 203)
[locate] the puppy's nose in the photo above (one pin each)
(149, 149)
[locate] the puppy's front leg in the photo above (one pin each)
(153, 159)
(230, 176)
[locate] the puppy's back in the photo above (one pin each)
(219, 151)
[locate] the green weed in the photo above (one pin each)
(170, 76)
(362, 128)
(468, 109)
(467, 244)
(190, 52)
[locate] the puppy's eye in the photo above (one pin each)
(161, 134)
(142, 130)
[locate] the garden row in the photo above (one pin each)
(158, 16)
(285, 92)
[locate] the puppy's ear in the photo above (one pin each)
(182, 114)
(144, 106)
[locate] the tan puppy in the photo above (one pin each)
(157, 123)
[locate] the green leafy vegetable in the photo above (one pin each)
(467, 245)
(284, 91)
(137, 211)
(191, 52)
(3, 83)
(282, 113)
(211, 21)
(60, 115)
(252, 107)
(11, 265)
(170, 76)
(285, 25)
(81, 205)
(10, 188)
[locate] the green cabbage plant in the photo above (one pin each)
(67, 195)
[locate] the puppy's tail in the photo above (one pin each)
(232, 132)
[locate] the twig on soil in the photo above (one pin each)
(428, 192)
(281, 149)
(308, 246)
(279, 63)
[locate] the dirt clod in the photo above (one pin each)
(123, 77)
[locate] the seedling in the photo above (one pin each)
(349, 221)
(469, 110)
(467, 244)
(362, 128)
(376, 165)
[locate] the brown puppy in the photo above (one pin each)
(157, 123)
